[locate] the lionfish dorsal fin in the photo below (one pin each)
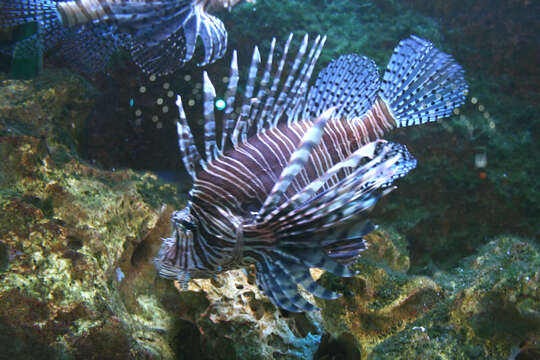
(296, 163)
(270, 99)
(299, 88)
(421, 83)
(230, 96)
(270, 95)
(350, 83)
(210, 145)
(263, 88)
(188, 150)
(242, 124)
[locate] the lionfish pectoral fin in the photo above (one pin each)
(368, 171)
(281, 271)
(350, 83)
(346, 242)
(196, 22)
(161, 58)
(319, 225)
(174, 42)
(279, 285)
(296, 163)
(214, 38)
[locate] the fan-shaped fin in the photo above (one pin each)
(349, 83)
(421, 83)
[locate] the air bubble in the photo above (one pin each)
(474, 100)
(187, 77)
(152, 77)
(166, 86)
(155, 118)
(165, 109)
(481, 108)
(142, 89)
(138, 112)
(170, 93)
(191, 102)
(159, 101)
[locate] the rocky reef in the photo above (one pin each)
(77, 246)
(76, 251)
(487, 308)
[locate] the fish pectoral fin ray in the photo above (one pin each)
(172, 42)
(296, 163)
(214, 38)
(162, 58)
(316, 212)
(276, 281)
(349, 83)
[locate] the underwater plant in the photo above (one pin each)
(283, 185)
(160, 35)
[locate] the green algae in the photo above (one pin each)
(491, 306)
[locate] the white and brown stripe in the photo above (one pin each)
(242, 178)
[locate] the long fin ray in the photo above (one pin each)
(296, 163)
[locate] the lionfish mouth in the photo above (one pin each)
(177, 258)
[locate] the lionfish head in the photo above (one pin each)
(177, 258)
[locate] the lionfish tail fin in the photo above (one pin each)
(18, 12)
(349, 83)
(421, 83)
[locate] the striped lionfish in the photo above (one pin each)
(160, 35)
(284, 184)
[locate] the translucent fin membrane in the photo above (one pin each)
(421, 83)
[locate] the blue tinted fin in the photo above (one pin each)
(421, 83)
(349, 83)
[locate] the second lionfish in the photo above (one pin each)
(285, 182)
(160, 35)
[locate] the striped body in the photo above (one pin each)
(243, 177)
(290, 196)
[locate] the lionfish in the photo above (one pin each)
(284, 184)
(160, 35)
